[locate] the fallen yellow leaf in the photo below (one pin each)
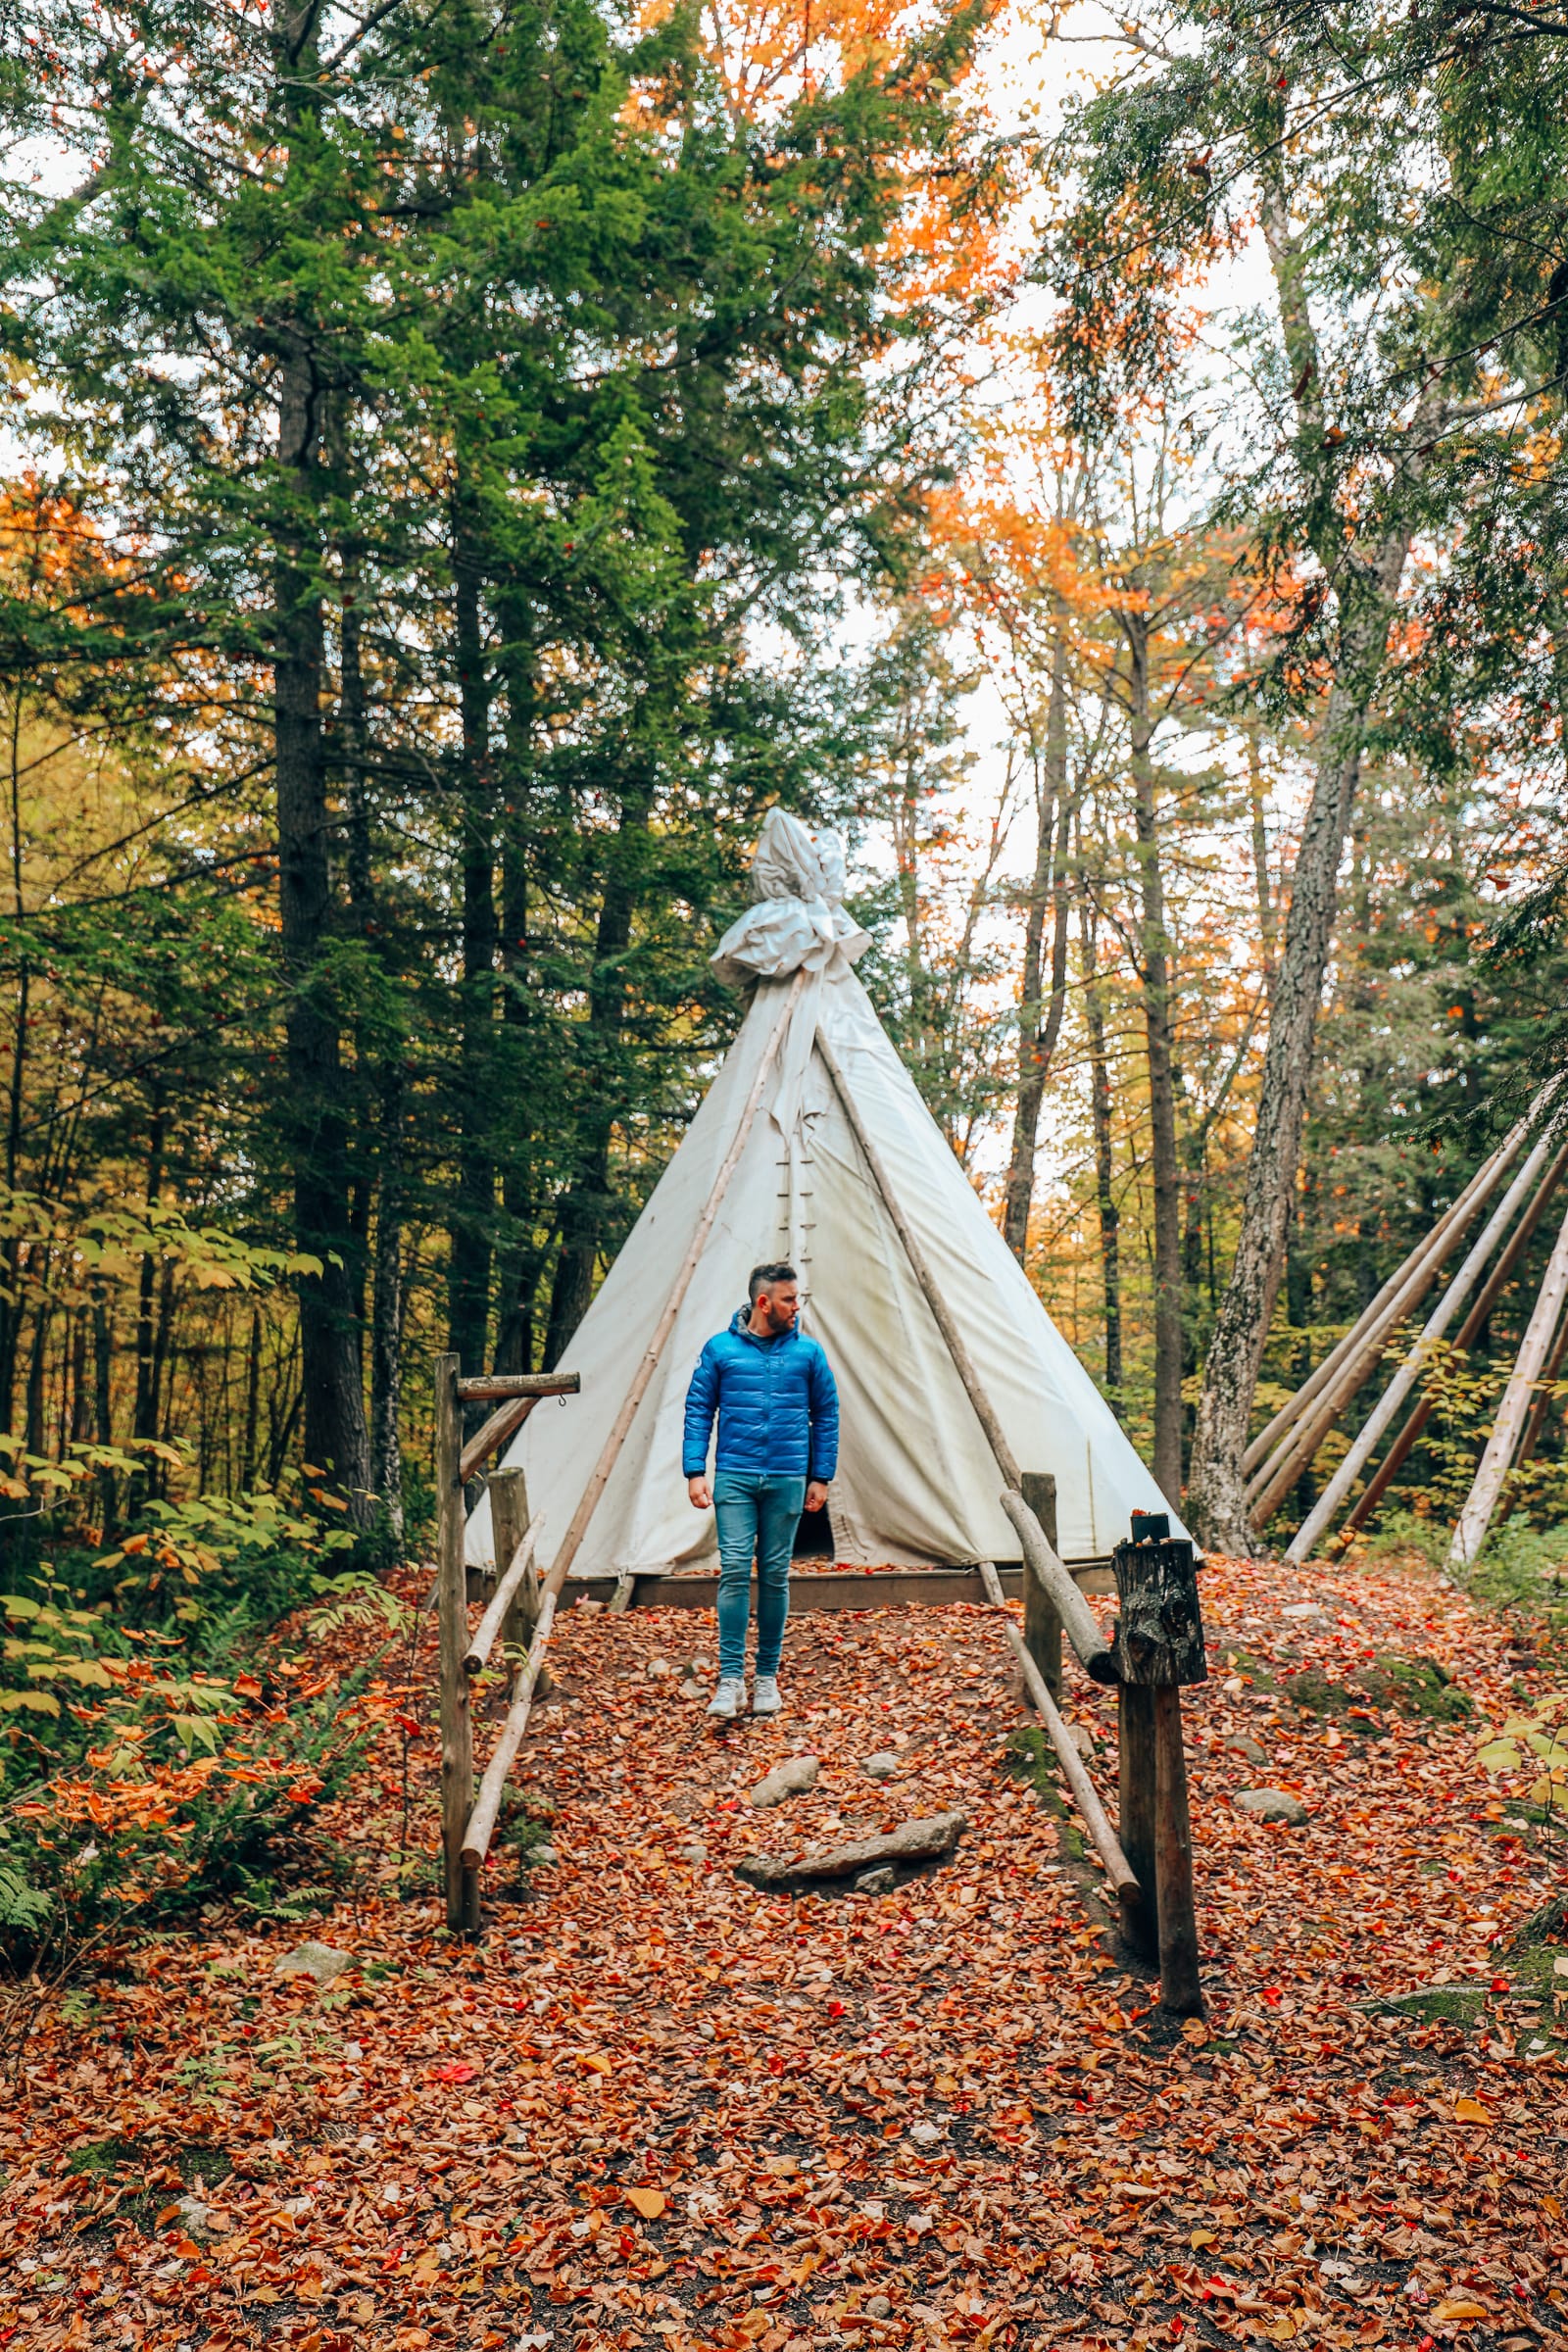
(593, 2063)
(1203, 2237)
(756, 2324)
(1460, 2307)
(1471, 2111)
(650, 2202)
(944, 2086)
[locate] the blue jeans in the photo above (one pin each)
(756, 1519)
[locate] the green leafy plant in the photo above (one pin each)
(1534, 1743)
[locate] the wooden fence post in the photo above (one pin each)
(509, 1524)
(1159, 1647)
(1135, 1813)
(456, 1720)
(1041, 1626)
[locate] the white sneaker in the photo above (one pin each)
(765, 1700)
(730, 1699)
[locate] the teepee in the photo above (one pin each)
(812, 1143)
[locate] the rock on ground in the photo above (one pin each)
(924, 1840)
(321, 1962)
(880, 1768)
(1238, 1744)
(790, 1779)
(1272, 1805)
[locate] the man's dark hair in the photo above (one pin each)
(765, 1277)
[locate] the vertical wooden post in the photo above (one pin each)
(456, 1722)
(1135, 1808)
(1180, 1992)
(1159, 1647)
(1042, 1627)
(509, 1524)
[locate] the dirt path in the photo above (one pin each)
(657, 2108)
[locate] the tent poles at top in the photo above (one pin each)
(1409, 1371)
(589, 1502)
(1475, 1517)
(1074, 1611)
(1387, 1470)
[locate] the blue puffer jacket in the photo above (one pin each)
(776, 1401)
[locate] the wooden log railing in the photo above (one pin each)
(463, 1655)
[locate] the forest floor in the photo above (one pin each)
(656, 2108)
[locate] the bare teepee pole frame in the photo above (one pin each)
(1415, 1362)
(1300, 1446)
(1470, 1532)
(1393, 1462)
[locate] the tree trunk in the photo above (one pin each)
(253, 1403)
(1218, 1497)
(473, 1209)
(386, 1312)
(144, 1415)
(1164, 1163)
(1268, 924)
(1040, 1024)
(314, 1114)
(1105, 1146)
(520, 1257)
(585, 1209)
(1368, 592)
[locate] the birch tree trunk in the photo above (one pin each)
(1105, 1146)
(1040, 1016)
(1164, 1162)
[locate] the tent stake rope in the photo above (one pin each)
(1040, 1554)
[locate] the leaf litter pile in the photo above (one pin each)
(655, 2106)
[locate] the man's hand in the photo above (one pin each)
(817, 1495)
(701, 1493)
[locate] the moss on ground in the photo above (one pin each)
(1030, 1754)
(1418, 1689)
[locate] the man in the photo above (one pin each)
(778, 1447)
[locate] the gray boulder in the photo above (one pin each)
(879, 1768)
(317, 1961)
(880, 1881)
(1272, 1805)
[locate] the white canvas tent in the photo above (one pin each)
(917, 1481)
